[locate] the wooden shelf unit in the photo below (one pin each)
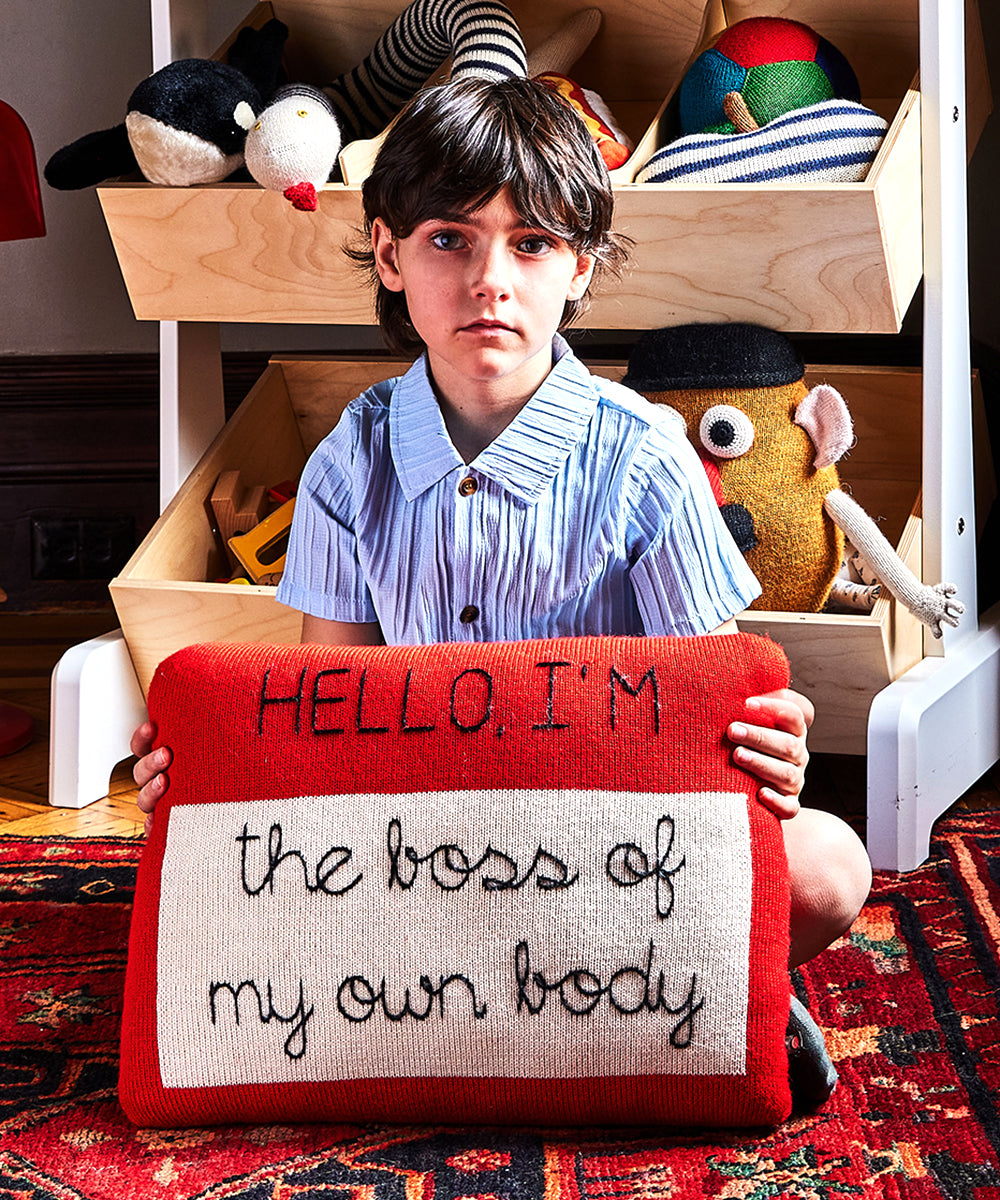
(194, 257)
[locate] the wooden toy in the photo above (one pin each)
(262, 551)
(237, 509)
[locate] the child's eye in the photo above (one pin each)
(446, 239)
(534, 244)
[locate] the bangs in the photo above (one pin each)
(478, 141)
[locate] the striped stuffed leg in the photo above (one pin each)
(481, 36)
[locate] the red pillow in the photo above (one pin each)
(477, 883)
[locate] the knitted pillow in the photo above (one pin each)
(483, 883)
(835, 141)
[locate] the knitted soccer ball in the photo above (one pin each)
(771, 66)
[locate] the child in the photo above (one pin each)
(498, 490)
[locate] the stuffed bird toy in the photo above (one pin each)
(770, 445)
(292, 147)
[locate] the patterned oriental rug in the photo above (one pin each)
(910, 1002)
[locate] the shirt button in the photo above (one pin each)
(468, 614)
(468, 486)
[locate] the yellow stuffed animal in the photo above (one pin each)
(769, 445)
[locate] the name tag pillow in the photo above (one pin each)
(477, 883)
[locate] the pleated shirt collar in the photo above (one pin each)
(523, 459)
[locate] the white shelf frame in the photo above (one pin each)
(931, 734)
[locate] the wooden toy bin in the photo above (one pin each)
(812, 256)
(164, 602)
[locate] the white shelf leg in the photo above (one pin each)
(96, 701)
(931, 735)
(949, 526)
(95, 704)
(935, 731)
(192, 409)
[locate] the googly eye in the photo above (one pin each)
(725, 431)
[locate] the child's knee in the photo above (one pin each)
(830, 875)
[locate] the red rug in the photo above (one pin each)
(909, 1002)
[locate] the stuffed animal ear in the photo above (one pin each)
(91, 159)
(824, 416)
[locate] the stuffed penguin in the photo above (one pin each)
(769, 445)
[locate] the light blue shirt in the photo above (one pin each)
(589, 514)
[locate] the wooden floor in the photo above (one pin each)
(31, 645)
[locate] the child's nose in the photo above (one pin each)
(492, 275)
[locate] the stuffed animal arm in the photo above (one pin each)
(560, 50)
(481, 36)
(934, 605)
(824, 416)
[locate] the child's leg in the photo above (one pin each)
(830, 877)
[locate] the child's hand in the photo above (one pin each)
(778, 755)
(148, 772)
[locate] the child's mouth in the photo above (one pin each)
(487, 327)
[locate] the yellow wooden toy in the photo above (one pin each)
(262, 550)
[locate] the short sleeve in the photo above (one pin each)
(687, 573)
(323, 575)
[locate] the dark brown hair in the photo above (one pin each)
(454, 147)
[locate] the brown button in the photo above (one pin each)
(468, 614)
(468, 486)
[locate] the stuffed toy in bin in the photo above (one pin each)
(770, 445)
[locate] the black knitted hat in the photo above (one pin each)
(712, 356)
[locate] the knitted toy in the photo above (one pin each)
(771, 99)
(548, 62)
(769, 446)
(835, 141)
(293, 148)
(611, 140)
(293, 145)
(186, 123)
(481, 36)
(759, 69)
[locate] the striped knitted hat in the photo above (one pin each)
(835, 141)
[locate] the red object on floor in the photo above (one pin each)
(20, 198)
(16, 728)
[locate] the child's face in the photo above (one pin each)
(486, 293)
